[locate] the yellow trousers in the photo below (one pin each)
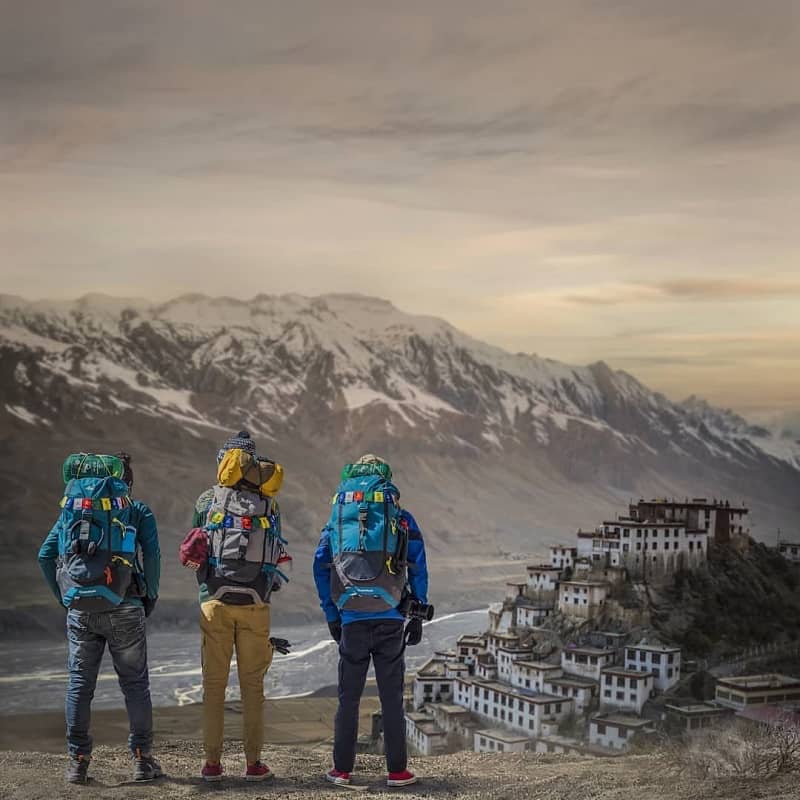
(246, 628)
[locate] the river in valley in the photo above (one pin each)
(33, 674)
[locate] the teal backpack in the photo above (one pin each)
(368, 545)
(97, 544)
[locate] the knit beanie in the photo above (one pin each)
(241, 441)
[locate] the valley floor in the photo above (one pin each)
(463, 776)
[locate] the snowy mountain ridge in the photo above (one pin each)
(277, 356)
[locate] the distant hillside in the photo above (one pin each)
(495, 453)
(737, 600)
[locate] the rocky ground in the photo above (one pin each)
(463, 776)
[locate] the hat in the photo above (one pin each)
(370, 458)
(241, 441)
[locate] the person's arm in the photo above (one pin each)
(48, 553)
(322, 577)
(147, 537)
(201, 508)
(417, 561)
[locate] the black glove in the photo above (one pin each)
(149, 604)
(336, 630)
(414, 632)
(280, 645)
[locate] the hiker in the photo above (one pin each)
(236, 547)
(102, 562)
(370, 571)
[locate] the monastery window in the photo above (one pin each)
(620, 695)
(558, 708)
(620, 681)
(485, 708)
(531, 724)
(427, 688)
(607, 693)
(601, 729)
(608, 680)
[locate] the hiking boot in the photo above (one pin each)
(339, 778)
(145, 767)
(404, 778)
(212, 773)
(77, 769)
(258, 772)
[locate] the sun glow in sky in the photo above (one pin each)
(585, 180)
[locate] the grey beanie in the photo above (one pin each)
(241, 441)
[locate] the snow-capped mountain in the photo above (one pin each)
(496, 451)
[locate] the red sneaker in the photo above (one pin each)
(404, 778)
(258, 772)
(339, 778)
(212, 772)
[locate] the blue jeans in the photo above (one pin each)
(87, 634)
(381, 641)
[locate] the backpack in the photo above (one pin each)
(96, 567)
(238, 468)
(369, 545)
(245, 547)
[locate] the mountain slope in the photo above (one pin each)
(495, 453)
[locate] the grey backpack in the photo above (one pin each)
(245, 547)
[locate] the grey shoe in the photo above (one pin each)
(78, 769)
(145, 767)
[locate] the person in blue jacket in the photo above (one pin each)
(123, 629)
(381, 636)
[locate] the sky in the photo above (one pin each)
(587, 179)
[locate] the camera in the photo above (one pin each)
(416, 610)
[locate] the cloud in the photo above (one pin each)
(702, 290)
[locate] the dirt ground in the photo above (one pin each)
(463, 776)
(299, 720)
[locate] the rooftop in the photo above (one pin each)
(588, 651)
(513, 691)
(502, 736)
(543, 568)
(623, 720)
(452, 710)
(767, 681)
(625, 673)
(654, 648)
(572, 680)
(537, 664)
(697, 709)
(432, 668)
(601, 584)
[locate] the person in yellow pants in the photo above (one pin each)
(246, 628)
(234, 608)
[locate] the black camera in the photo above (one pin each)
(416, 610)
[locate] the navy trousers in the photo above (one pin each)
(382, 642)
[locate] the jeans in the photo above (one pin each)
(87, 634)
(245, 628)
(382, 641)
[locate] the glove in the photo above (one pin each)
(280, 645)
(149, 604)
(336, 630)
(414, 632)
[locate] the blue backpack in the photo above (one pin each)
(368, 544)
(96, 545)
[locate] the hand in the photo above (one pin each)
(336, 630)
(414, 632)
(149, 604)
